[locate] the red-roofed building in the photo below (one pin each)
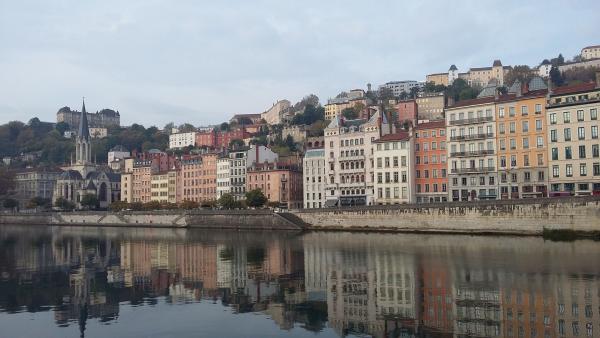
(393, 167)
(431, 179)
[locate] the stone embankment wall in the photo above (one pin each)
(245, 219)
(525, 217)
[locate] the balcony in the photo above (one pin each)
(472, 170)
(352, 158)
(472, 137)
(471, 121)
(472, 153)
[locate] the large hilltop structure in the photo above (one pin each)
(101, 119)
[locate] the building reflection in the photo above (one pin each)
(359, 285)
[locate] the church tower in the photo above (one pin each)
(83, 144)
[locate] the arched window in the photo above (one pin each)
(102, 194)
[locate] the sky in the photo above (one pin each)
(158, 61)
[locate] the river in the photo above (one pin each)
(116, 282)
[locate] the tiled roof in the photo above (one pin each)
(472, 102)
(431, 125)
(583, 87)
(399, 136)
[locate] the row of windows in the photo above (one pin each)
(581, 152)
(394, 177)
(433, 159)
(566, 116)
(524, 143)
(387, 192)
(434, 146)
(512, 127)
(524, 110)
(434, 133)
(391, 145)
(473, 181)
(385, 162)
(431, 188)
(471, 115)
(526, 163)
(567, 133)
(434, 173)
(583, 170)
(514, 177)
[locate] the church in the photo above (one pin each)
(85, 177)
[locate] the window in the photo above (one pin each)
(569, 170)
(582, 169)
(501, 112)
(501, 128)
(512, 127)
(594, 114)
(524, 110)
(595, 150)
(568, 153)
(538, 124)
(581, 133)
(555, 171)
(594, 132)
(513, 144)
(553, 118)
(511, 111)
(525, 126)
(567, 133)
(540, 142)
(554, 154)
(580, 115)
(581, 151)
(553, 137)
(526, 143)
(566, 117)
(596, 168)
(538, 108)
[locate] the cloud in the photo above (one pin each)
(201, 62)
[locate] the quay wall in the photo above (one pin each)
(522, 217)
(245, 219)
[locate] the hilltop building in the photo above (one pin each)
(102, 119)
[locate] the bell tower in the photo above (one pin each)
(83, 145)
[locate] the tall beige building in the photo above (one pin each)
(164, 187)
(573, 142)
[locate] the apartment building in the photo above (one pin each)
(431, 168)
(521, 142)
(430, 107)
(223, 176)
(398, 87)
(182, 140)
(334, 107)
(141, 180)
(163, 187)
(394, 179)
(349, 153)
(189, 178)
(471, 142)
(573, 143)
(314, 178)
(208, 178)
(280, 183)
(35, 182)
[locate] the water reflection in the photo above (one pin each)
(353, 284)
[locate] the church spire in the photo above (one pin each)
(84, 131)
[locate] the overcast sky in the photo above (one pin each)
(158, 61)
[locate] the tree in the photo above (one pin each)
(152, 205)
(168, 127)
(224, 126)
(64, 204)
(560, 59)
(255, 198)
(385, 94)
(39, 202)
(350, 113)
(10, 203)
(136, 206)
(90, 201)
(556, 77)
(188, 205)
(7, 181)
(118, 206)
(61, 127)
(236, 143)
(414, 91)
(227, 201)
(520, 72)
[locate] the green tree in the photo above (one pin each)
(255, 198)
(7, 181)
(152, 205)
(350, 113)
(224, 126)
(10, 203)
(90, 201)
(556, 77)
(64, 204)
(189, 205)
(236, 144)
(61, 127)
(136, 206)
(227, 201)
(118, 206)
(39, 202)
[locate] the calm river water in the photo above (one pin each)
(110, 282)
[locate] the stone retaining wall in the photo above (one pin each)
(527, 217)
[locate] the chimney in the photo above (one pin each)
(525, 88)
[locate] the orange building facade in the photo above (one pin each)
(431, 177)
(279, 182)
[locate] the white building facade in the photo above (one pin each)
(394, 166)
(314, 178)
(182, 140)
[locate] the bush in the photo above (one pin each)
(152, 205)
(10, 203)
(118, 206)
(255, 198)
(64, 204)
(188, 205)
